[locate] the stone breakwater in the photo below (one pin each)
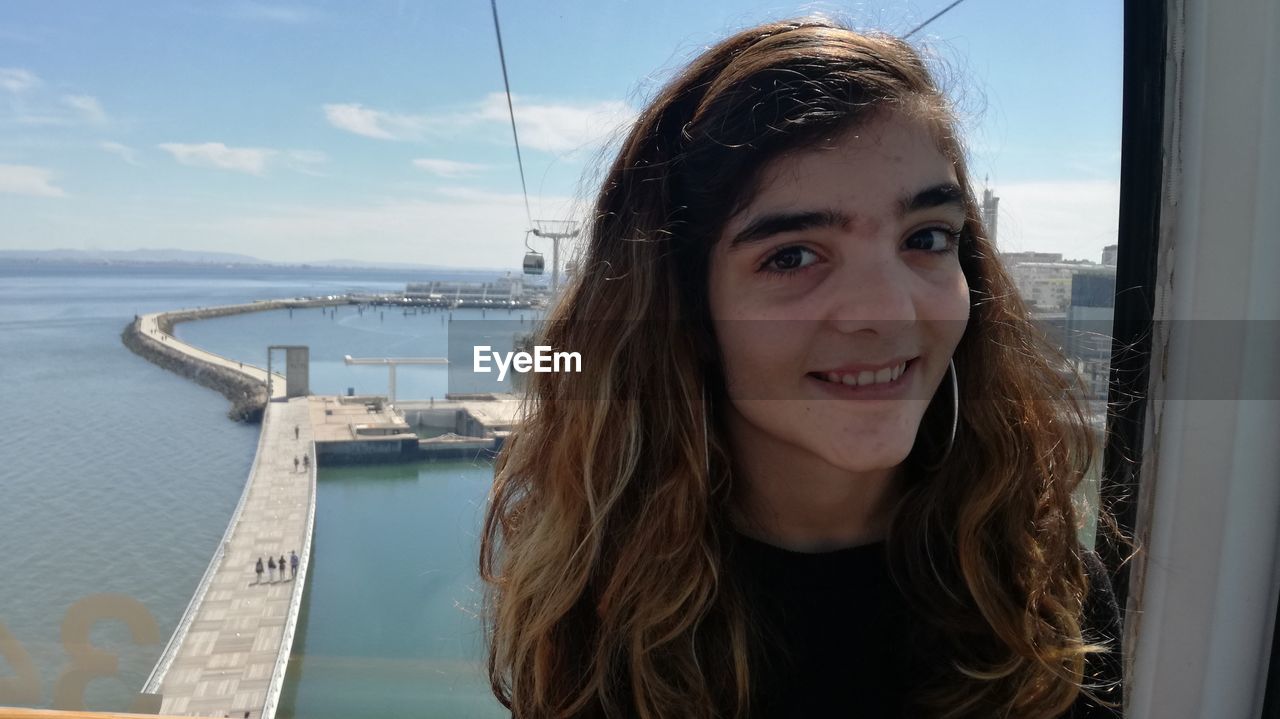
(245, 388)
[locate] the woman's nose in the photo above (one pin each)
(870, 292)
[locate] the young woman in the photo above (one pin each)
(819, 461)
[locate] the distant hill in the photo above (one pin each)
(196, 257)
(189, 256)
(360, 264)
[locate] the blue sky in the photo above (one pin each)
(377, 130)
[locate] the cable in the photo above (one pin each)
(507, 84)
(936, 15)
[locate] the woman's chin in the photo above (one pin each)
(866, 458)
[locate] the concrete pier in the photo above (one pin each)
(229, 652)
(231, 648)
(149, 325)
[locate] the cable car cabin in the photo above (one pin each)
(533, 263)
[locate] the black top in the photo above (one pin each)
(841, 648)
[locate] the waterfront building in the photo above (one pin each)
(505, 291)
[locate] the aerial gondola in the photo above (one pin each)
(533, 263)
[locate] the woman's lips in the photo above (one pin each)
(888, 382)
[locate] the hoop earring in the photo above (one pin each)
(706, 445)
(955, 416)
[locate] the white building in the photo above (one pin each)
(508, 291)
(1043, 279)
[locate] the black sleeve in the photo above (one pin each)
(1102, 625)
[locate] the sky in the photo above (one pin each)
(377, 130)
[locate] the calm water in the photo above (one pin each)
(117, 478)
(374, 332)
(389, 617)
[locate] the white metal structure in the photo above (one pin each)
(555, 231)
(1202, 606)
(392, 363)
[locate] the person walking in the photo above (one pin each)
(306, 461)
(295, 464)
(258, 570)
(271, 565)
(293, 564)
(281, 563)
(295, 431)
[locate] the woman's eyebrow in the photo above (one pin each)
(946, 193)
(775, 223)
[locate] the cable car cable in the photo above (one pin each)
(936, 15)
(502, 58)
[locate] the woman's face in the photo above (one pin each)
(842, 268)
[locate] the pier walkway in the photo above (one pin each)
(150, 326)
(229, 652)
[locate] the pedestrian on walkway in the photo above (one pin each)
(306, 461)
(271, 565)
(295, 463)
(293, 564)
(282, 567)
(295, 431)
(258, 569)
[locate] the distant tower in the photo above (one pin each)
(1109, 254)
(989, 213)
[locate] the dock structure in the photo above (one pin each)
(230, 650)
(366, 428)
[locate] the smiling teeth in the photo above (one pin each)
(867, 377)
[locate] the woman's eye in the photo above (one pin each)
(788, 260)
(935, 240)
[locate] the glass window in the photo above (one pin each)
(186, 185)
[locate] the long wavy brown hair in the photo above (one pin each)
(607, 543)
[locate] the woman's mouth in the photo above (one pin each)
(866, 382)
(865, 378)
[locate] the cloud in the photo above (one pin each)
(448, 168)
(1075, 217)
(554, 127)
(308, 157)
(28, 180)
(250, 160)
(305, 161)
(45, 108)
(88, 107)
(15, 79)
(377, 124)
(559, 127)
(459, 228)
(128, 154)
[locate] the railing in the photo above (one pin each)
(153, 682)
(295, 601)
